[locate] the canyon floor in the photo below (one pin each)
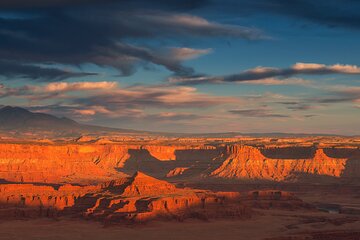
(269, 224)
(180, 188)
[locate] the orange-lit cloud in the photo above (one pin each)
(266, 73)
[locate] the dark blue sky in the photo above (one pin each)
(186, 66)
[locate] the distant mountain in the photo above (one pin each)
(20, 120)
(268, 135)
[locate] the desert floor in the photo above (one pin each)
(267, 224)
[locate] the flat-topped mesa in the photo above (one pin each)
(71, 163)
(162, 153)
(246, 162)
(141, 184)
(29, 200)
(242, 162)
(89, 163)
(244, 151)
(169, 153)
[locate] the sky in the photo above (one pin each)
(191, 66)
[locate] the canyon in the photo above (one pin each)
(129, 180)
(135, 199)
(83, 162)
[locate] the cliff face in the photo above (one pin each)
(53, 164)
(141, 184)
(86, 163)
(163, 153)
(94, 163)
(245, 162)
(179, 153)
(136, 199)
(28, 200)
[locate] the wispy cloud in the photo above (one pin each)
(55, 89)
(258, 113)
(267, 74)
(330, 95)
(340, 94)
(108, 99)
(188, 53)
(13, 70)
(276, 82)
(167, 97)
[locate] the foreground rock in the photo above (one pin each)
(135, 199)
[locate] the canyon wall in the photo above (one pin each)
(94, 163)
(62, 163)
(246, 162)
(137, 198)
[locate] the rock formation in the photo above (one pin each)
(176, 171)
(60, 163)
(137, 198)
(87, 163)
(94, 163)
(246, 162)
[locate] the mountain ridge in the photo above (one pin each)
(21, 119)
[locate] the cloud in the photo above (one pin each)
(340, 94)
(109, 100)
(76, 86)
(11, 70)
(85, 112)
(267, 74)
(316, 68)
(300, 107)
(330, 13)
(185, 24)
(18, 4)
(330, 95)
(127, 118)
(148, 96)
(175, 116)
(258, 113)
(276, 81)
(55, 89)
(310, 115)
(169, 58)
(188, 53)
(169, 4)
(103, 34)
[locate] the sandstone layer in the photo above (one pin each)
(137, 198)
(94, 163)
(249, 162)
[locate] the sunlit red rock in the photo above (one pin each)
(136, 198)
(95, 163)
(246, 162)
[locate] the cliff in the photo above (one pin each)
(133, 199)
(86, 163)
(246, 162)
(91, 163)
(56, 164)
